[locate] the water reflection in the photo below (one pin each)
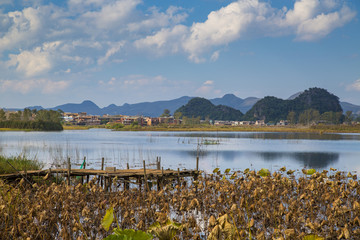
(265, 135)
(308, 159)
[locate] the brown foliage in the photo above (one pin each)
(276, 206)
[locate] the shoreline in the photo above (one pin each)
(319, 129)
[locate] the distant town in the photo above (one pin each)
(83, 118)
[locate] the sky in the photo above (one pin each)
(130, 51)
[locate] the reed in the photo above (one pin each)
(19, 163)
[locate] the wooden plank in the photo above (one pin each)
(123, 173)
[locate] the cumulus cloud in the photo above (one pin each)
(308, 20)
(34, 62)
(323, 24)
(166, 40)
(112, 14)
(21, 27)
(83, 33)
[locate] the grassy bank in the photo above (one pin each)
(14, 129)
(13, 164)
(242, 204)
(303, 129)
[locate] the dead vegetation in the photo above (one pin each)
(232, 205)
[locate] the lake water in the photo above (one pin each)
(235, 150)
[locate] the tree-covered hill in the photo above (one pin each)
(203, 108)
(272, 109)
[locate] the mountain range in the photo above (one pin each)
(155, 109)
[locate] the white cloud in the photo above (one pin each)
(323, 24)
(114, 48)
(309, 20)
(223, 26)
(172, 16)
(23, 27)
(354, 86)
(207, 89)
(166, 40)
(141, 81)
(25, 86)
(215, 56)
(111, 15)
(303, 10)
(97, 31)
(34, 62)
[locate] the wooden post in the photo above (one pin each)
(102, 168)
(82, 177)
(197, 164)
(163, 182)
(127, 166)
(126, 183)
(102, 163)
(197, 169)
(158, 163)
(68, 170)
(145, 177)
(178, 172)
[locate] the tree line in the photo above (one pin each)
(43, 120)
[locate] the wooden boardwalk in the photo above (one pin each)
(121, 173)
(108, 177)
(110, 180)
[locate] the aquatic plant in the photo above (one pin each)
(284, 204)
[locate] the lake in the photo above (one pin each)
(235, 150)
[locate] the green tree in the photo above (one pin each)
(166, 113)
(348, 117)
(291, 117)
(48, 116)
(177, 115)
(2, 115)
(309, 116)
(26, 114)
(15, 116)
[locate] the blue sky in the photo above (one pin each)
(129, 51)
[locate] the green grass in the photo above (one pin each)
(20, 163)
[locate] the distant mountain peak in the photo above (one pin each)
(229, 95)
(292, 97)
(88, 102)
